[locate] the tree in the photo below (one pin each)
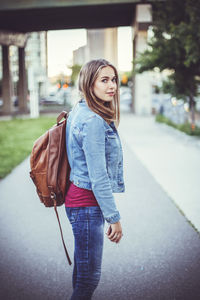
(175, 46)
(75, 71)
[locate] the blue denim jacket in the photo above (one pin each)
(95, 156)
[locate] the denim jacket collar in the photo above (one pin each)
(112, 124)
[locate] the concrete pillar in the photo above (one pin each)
(110, 45)
(34, 97)
(141, 82)
(22, 84)
(6, 82)
(95, 43)
(102, 43)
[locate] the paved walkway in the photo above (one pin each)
(157, 259)
(172, 157)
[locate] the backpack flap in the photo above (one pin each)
(57, 163)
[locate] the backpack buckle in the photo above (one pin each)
(53, 196)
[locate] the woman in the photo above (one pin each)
(95, 156)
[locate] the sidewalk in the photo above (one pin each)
(172, 157)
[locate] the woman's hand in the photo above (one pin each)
(114, 232)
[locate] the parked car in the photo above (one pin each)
(59, 97)
(50, 99)
(63, 96)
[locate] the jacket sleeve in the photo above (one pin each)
(94, 150)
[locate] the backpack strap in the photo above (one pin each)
(62, 115)
(53, 196)
(53, 184)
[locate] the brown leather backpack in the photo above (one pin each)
(50, 167)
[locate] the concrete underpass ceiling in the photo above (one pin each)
(67, 17)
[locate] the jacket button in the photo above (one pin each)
(77, 182)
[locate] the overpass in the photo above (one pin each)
(19, 17)
(37, 15)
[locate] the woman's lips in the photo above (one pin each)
(111, 94)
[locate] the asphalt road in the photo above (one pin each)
(158, 258)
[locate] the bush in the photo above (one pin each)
(186, 127)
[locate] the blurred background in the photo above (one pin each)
(155, 46)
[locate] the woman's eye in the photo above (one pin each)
(106, 80)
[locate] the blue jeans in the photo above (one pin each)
(88, 229)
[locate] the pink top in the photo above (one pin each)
(77, 197)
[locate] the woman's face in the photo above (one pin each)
(105, 86)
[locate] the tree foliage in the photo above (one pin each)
(175, 46)
(75, 71)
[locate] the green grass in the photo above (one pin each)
(16, 140)
(186, 127)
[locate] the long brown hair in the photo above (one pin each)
(109, 111)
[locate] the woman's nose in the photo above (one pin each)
(111, 84)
